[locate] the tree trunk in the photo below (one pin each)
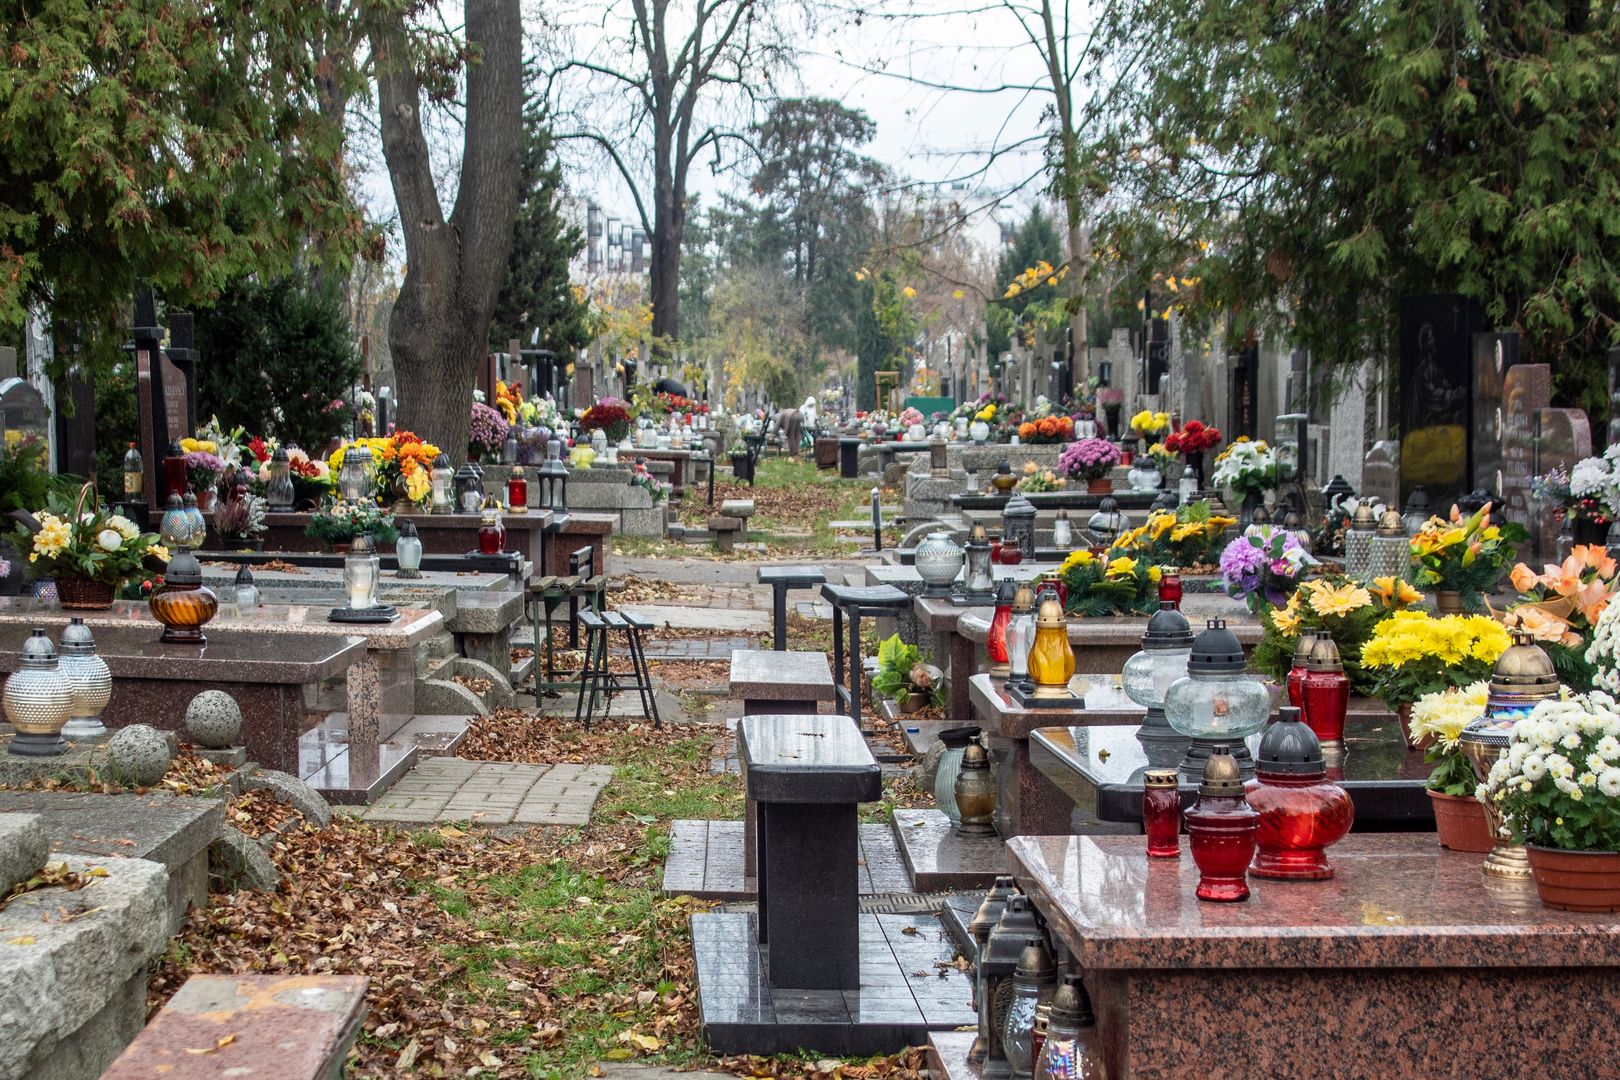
(440, 324)
(666, 272)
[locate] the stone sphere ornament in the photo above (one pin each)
(139, 754)
(214, 720)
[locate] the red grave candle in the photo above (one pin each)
(1301, 812)
(1161, 813)
(1170, 588)
(1326, 693)
(1221, 830)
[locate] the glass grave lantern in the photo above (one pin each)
(997, 963)
(176, 480)
(1187, 488)
(408, 550)
(361, 569)
(1033, 983)
(1073, 1047)
(1062, 532)
(1417, 511)
(469, 489)
(1299, 666)
(1325, 692)
(247, 593)
(1390, 552)
(517, 490)
(175, 528)
(1301, 812)
(996, 641)
(183, 604)
(1523, 677)
(1107, 523)
(89, 677)
(1018, 525)
(1020, 638)
(1288, 445)
(553, 477)
(939, 466)
(938, 561)
(441, 486)
(1051, 660)
(279, 491)
(1150, 673)
(1218, 703)
(1358, 541)
(355, 482)
(196, 522)
(38, 699)
(978, 588)
(1221, 829)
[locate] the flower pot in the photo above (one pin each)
(242, 543)
(1461, 823)
(1102, 485)
(1448, 602)
(1576, 880)
(83, 594)
(1195, 458)
(913, 702)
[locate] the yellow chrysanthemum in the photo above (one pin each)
(1155, 573)
(1340, 600)
(159, 551)
(1287, 625)
(418, 484)
(1076, 558)
(1122, 567)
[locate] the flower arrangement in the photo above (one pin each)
(1347, 610)
(1101, 585)
(680, 404)
(1263, 566)
(1088, 459)
(1463, 555)
(1246, 468)
(641, 478)
(1048, 429)
(1562, 606)
(1195, 437)
(1558, 785)
(1161, 456)
(1147, 424)
(1036, 479)
(67, 543)
(910, 416)
(581, 456)
(903, 671)
(240, 519)
(1413, 653)
(486, 431)
(203, 469)
(1186, 536)
(341, 522)
(1437, 721)
(403, 464)
(539, 412)
(508, 400)
(1593, 490)
(610, 416)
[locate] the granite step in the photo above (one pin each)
(706, 861)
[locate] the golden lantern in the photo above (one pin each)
(1051, 660)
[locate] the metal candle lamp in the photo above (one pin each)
(38, 699)
(355, 477)
(997, 963)
(1034, 980)
(1217, 704)
(975, 793)
(979, 586)
(1301, 813)
(1358, 541)
(1325, 692)
(89, 678)
(469, 489)
(1018, 525)
(1523, 678)
(1072, 1049)
(1107, 523)
(1221, 828)
(553, 475)
(938, 561)
(1417, 511)
(984, 921)
(1148, 675)
(1020, 637)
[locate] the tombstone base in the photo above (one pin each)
(24, 744)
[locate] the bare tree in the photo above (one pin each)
(454, 265)
(657, 95)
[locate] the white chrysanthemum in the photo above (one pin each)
(1590, 476)
(1587, 780)
(1609, 783)
(1534, 767)
(1568, 787)
(1571, 740)
(1609, 747)
(1596, 763)
(1516, 755)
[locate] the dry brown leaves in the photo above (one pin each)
(259, 813)
(641, 590)
(478, 686)
(906, 1065)
(188, 775)
(795, 502)
(516, 735)
(687, 674)
(51, 876)
(280, 567)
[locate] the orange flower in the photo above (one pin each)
(1595, 557)
(1026, 430)
(1524, 579)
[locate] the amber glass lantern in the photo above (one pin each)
(1051, 659)
(183, 604)
(1301, 813)
(1221, 829)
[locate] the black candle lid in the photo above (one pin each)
(1216, 651)
(1167, 629)
(1289, 747)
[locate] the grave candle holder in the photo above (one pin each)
(408, 551)
(1034, 980)
(517, 491)
(984, 921)
(1326, 692)
(176, 481)
(1389, 553)
(1161, 813)
(37, 700)
(975, 791)
(89, 678)
(1297, 669)
(1051, 662)
(997, 962)
(279, 491)
(996, 641)
(1217, 704)
(1020, 638)
(979, 586)
(1301, 813)
(1221, 828)
(1150, 673)
(183, 604)
(1358, 542)
(441, 486)
(247, 593)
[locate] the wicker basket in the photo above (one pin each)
(82, 594)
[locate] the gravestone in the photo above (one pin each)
(1526, 390)
(1494, 355)
(1436, 347)
(1381, 473)
(22, 412)
(1564, 436)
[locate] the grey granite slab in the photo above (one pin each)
(807, 759)
(764, 675)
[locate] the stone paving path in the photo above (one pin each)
(492, 793)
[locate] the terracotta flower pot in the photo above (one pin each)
(1576, 880)
(1460, 822)
(1102, 485)
(1404, 712)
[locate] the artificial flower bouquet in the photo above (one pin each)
(1162, 458)
(910, 416)
(1558, 785)
(1348, 611)
(610, 416)
(1263, 566)
(1592, 490)
(1561, 608)
(1413, 653)
(67, 541)
(1048, 429)
(1035, 479)
(1109, 585)
(1148, 424)
(341, 522)
(1245, 468)
(1437, 722)
(402, 464)
(1463, 555)
(1088, 459)
(1195, 437)
(204, 468)
(1187, 536)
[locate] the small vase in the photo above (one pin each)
(207, 500)
(1460, 822)
(1576, 880)
(1101, 485)
(1448, 602)
(979, 431)
(1251, 502)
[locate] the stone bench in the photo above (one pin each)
(781, 579)
(808, 774)
(291, 1027)
(726, 530)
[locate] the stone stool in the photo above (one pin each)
(781, 579)
(854, 601)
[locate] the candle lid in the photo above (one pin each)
(1167, 629)
(244, 576)
(957, 738)
(1023, 600)
(1161, 778)
(1221, 775)
(1035, 962)
(1005, 592)
(1071, 1004)
(362, 545)
(1216, 651)
(1289, 747)
(183, 570)
(1051, 615)
(407, 529)
(37, 651)
(1325, 655)
(76, 638)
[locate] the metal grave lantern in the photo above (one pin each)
(1018, 525)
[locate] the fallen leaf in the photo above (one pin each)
(25, 939)
(407, 1056)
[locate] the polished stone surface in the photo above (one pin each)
(766, 675)
(793, 577)
(937, 859)
(908, 986)
(133, 651)
(807, 759)
(1101, 701)
(1100, 769)
(706, 861)
(884, 596)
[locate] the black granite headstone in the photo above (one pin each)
(1436, 344)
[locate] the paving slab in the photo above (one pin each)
(678, 617)
(938, 859)
(492, 793)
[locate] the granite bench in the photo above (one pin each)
(781, 579)
(292, 1027)
(727, 530)
(808, 774)
(851, 602)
